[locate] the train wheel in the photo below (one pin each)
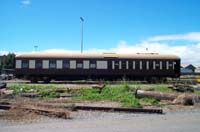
(46, 80)
(153, 80)
(33, 80)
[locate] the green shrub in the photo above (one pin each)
(119, 93)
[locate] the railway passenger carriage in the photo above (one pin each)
(111, 66)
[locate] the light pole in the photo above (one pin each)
(82, 20)
(35, 47)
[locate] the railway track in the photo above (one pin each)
(177, 81)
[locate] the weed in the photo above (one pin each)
(44, 91)
(120, 93)
(161, 88)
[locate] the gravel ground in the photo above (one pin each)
(87, 121)
(180, 119)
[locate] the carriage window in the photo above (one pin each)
(160, 65)
(134, 65)
(102, 64)
(154, 65)
(45, 64)
(113, 64)
(127, 65)
(167, 65)
(38, 64)
(140, 65)
(31, 64)
(120, 64)
(72, 64)
(86, 64)
(147, 65)
(18, 64)
(59, 64)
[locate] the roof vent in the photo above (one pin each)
(110, 55)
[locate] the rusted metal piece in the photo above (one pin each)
(119, 109)
(182, 88)
(30, 95)
(60, 90)
(2, 85)
(155, 95)
(5, 107)
(59, 111)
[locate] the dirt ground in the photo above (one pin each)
(175, 117)
(88, 121)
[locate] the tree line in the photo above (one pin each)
(8, 62)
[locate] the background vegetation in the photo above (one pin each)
(8, 62)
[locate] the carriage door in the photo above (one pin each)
(176, 67)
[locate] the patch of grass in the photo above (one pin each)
(44, 91)
(120, 93)
(151, 101)
(24, 88)
(197, 92)
(164, 89)
(47, 94)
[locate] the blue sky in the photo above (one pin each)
(109, 25)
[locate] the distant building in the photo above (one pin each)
(187, 69)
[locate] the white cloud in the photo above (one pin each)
(4, 52)
(26, 2)
(193, 36)
(189, 52)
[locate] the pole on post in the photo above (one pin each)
(82, 20)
